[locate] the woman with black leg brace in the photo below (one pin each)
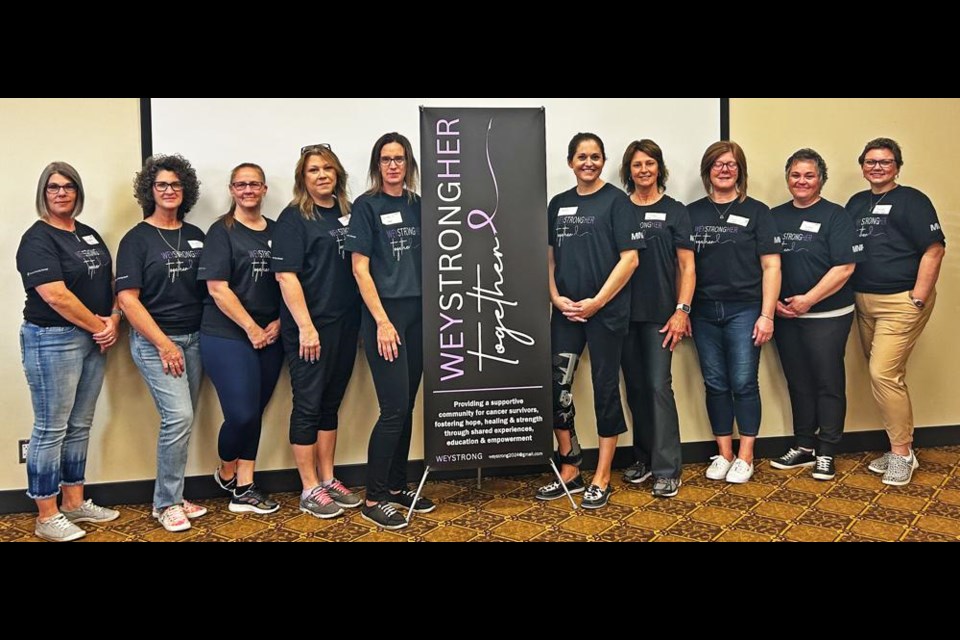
(384, 239)
(593, 253)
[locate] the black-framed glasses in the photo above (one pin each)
(399, 161)
(54, 189)
(729, 166)
(315, 147)
(162, 187)
(885, 163)
(243, 186)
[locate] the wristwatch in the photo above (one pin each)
(917, 302)
(684, 307)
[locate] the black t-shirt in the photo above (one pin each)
(239, 256)
(815, 240)
(729, 240)
(387, 230)
(163, 265)
(896, 230)
(666, 228)
(81, 261)
(588, 234)
(314, 250)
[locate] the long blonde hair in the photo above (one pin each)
(302, 199)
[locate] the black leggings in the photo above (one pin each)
(397, 384)
(812, 352)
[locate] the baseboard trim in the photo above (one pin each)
(285, 481)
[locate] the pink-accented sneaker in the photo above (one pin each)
(174, 519)
(189, 509)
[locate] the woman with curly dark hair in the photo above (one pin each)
(158, 290)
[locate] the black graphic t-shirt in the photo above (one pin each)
(666, 227)
(386, 229)
(729, 240)
(163, 265)
(815, 240)
(239, 256)
(80, 260)
(895, 230)
(314, 250)
(588, 234)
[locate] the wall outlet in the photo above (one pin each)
(23, 448)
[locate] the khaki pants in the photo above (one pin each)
(889, 328)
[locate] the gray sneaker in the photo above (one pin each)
(637, 473)
(880, 464)
(58, 529)
(900, 470)
(319, 504)
(89, 512)
(343, 496)
(666, 487)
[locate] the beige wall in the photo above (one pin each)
(101, 138)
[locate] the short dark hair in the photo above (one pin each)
(883, 143)
(653, 150)
(809, 155)
(186, 174)
(579, 139)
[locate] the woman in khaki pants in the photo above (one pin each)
(896, 292)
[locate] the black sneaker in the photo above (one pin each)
(226, 485)
(405, 499)
(253, 501)
(596, 498)
(383, 515)
(794, 459)
(554, 491)
(825, 469)
(638, 473)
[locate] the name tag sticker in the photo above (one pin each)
(882, 209)
(392, 218)
(345, 221)
(91, 240)
(662, 217)
(811, 227)
(739, 221)
(568, 211)
(196, 244)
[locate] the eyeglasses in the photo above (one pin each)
(399, 161)
(243, 186)
(886, 164)
(729, 166)
(315, 147)
(163, 186)
(54, 189)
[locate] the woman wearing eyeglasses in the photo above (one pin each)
(814, 314)
(738, 283)
(319, 322)
(240, 333)
(895, 292)
(384, 239)
(159, 292)
(69, 322)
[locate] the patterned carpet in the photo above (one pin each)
(775, 506)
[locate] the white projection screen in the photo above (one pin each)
(216, 134)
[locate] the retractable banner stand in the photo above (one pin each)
(485, 288)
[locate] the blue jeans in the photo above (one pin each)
(64, 369)
(176, 399)
(723, 332)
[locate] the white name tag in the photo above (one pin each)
(345, 221)
(812, 227)
(195, 244)
(270, 244)
(739, 221)
(882, 209)
(662, 217)
(91, 240)
(392, 218)
(568, 211)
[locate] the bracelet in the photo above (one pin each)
(767, 317)
(117, 312)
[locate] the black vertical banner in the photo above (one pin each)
(486, 303)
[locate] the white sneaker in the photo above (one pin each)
(174, 519)
(719, 469)
(740, 472)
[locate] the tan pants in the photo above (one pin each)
(889, 328)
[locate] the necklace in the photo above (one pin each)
(874, 205)
(179, 235)
(723, 214)
(635, 197)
